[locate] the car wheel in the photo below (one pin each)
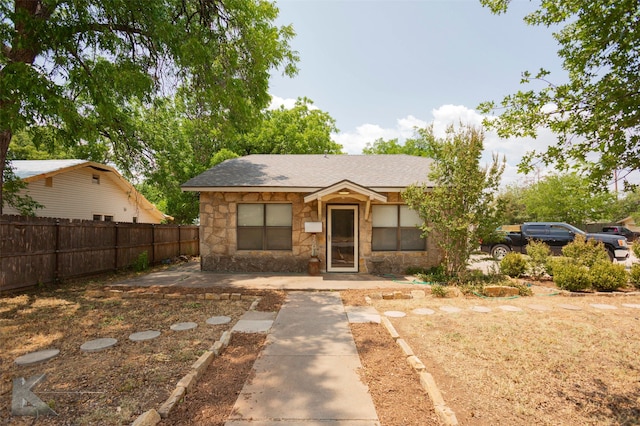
(499, 251)
(611, 255)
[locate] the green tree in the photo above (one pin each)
(412, 146)
(567, 198)
(298, 130)
(83, 68)
(595, 113)
(510, 205)
(459, 208)
(13, 192)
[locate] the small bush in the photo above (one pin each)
(142, 262)
(539, 254)
(586, 253)
(513, 265)
(634, 275)
(636, 249)
(438, 290)
(607, 276)
(436, 274)
(571, 275)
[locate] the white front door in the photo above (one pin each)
(342, 238)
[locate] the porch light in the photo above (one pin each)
(343, 192)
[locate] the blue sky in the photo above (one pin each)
(379, 68)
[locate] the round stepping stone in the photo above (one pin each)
(218, 320)
(182, 326)
(481, 309)
(98, 344)
(423, 311)
(603, 306)
(395, 314)
(144, 335)
(541, 308)
(631, 305)
(450, 309)
(36, 357)
(509, 308)
(570, 307)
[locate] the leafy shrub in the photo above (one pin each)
(435, 274)
(571, 275)
(634, 275)
(636, 249)
(513, 264)
(539, 254)
(438, 290)
(142, 262)
(607, 276)
(585, 252)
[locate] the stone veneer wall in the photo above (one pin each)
(218, 215)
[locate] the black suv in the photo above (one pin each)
(620, 230)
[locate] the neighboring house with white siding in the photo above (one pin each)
(80, 189)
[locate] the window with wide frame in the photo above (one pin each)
(264, 226)
(396, 228)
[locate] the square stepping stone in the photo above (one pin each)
(631, 305)
(362, 314)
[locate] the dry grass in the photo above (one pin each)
(115, 385)
(530, 367)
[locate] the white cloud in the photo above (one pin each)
(277, 102)
(513, 149)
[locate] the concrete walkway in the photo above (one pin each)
(308, 372)
(189, 275)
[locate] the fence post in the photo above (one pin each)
(56, 257)
(153, 244)
(115, 252)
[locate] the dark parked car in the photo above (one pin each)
(620, 230)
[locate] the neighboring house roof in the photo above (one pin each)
(30, 170)
(34, 170)
(313, 172)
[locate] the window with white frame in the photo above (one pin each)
(264, 226)
(396, 228)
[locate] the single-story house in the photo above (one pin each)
(81, 189)
(273, 213)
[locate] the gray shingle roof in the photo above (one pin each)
(313, 171)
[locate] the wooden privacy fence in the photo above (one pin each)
(42, 250)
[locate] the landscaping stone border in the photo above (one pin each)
(185, 384)
(428, 383)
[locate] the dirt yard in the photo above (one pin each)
(546, 367)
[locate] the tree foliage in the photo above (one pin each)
(567, 198)
(302, 129)
(596, 112)
(459, 206)
(182, 146)
(83, 69)
(412, 146)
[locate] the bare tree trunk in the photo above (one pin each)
(5, 138)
